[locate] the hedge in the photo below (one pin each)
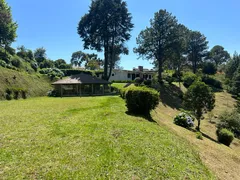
(70, 72)
(140, 100)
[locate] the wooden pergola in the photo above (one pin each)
(82, 85)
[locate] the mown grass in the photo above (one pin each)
(36, 84)
(89, 138)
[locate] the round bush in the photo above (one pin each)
(189, 78)
(225, 136)
(138, 81)
(141, 100)
(231, 121)
(148, 82)
(212, 82)
(209, 68)
(185, 120)
(16, 61)
(3, 63)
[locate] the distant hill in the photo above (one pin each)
(35, 84)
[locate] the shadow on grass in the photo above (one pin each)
(148, 117)
(171, 95)
(203, 134)
(210, 138)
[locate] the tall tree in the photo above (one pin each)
(8, 27)
(106, 25)
(218, 55)
(178, 55)
(40, 55)
(197, 48)
(156, 42)
(199, 98)
(233, 65)
(78, 58)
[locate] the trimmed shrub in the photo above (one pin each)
(148, 82)
(34, 65)
(70, 72)
(52, 72)
(53, 93)
(24, 93)
(122, 81)
(138, 81)
(140, 100)
(8, 96)
(189, 78)
(16, 61)
(225, 136)
(3, 63)
(212, 82)
(185, 120)
(209, 68)
(231, 121)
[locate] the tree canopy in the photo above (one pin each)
(107, 25)
(156, 42)
(8, 27)
(40, 54)
(218, 55)
(197, 49)
(199, 98)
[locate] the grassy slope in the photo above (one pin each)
(37, 85)
(89, 138)
(222, 160)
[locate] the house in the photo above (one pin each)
(129, 75)
(82, 85)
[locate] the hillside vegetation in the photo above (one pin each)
(89, 138)
(35, 84)
(222, 160)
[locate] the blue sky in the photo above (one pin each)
(52, 24)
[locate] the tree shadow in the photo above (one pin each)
(204, 135)
(171, 95)
(210, 138)
(148, 117)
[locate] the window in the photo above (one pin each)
(150, 76)
(112, 74)
(129, 75)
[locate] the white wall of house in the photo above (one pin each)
(120, 75)
(124, 75)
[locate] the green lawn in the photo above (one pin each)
(89, 138)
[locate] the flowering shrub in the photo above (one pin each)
(184, 120)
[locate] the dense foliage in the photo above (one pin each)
(209, 68)
(140, 100)
(230, 121)
(107, 27)
(8, 27)
(156, 41)
(218, 55)
(189, 78)
(185, 120)
(211, 81)
(225, 136)
(199, 98)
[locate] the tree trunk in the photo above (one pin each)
(160, 70)
(198, 126)
(194, 66)
(198, 117)
(179, 76)
(105, 74)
